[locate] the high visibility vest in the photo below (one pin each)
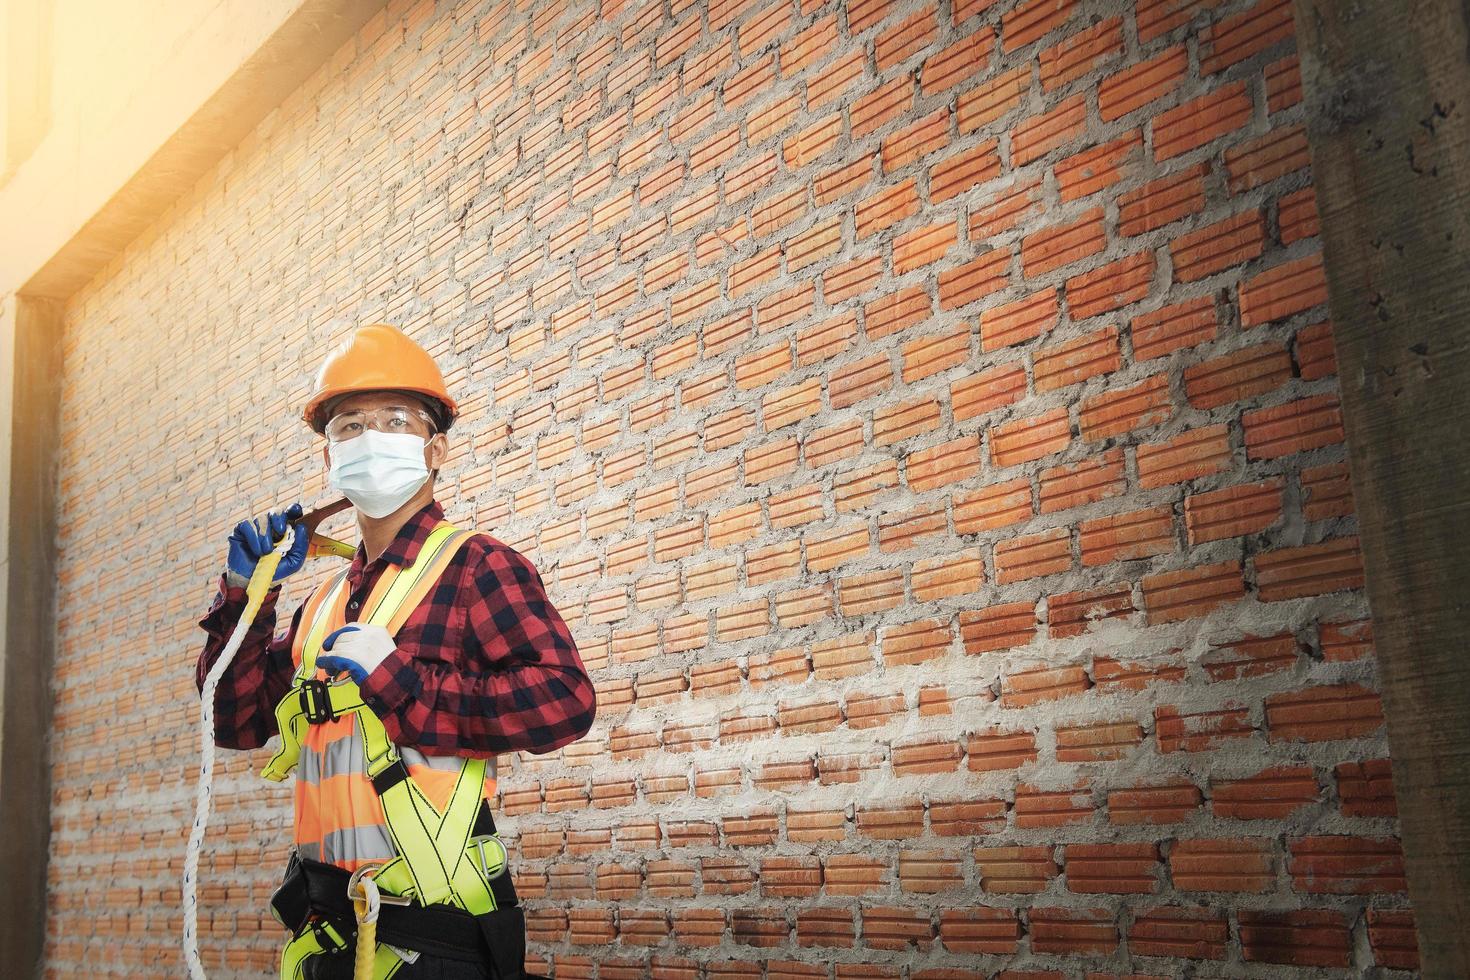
(359, 797)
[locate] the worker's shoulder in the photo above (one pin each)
(485, 551)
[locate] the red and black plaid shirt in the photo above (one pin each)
(484, 664)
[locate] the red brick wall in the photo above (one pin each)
(925, 415)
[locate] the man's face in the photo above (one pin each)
(438, 445)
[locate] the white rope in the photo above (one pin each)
(205, 789)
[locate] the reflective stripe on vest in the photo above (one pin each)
(340, 817)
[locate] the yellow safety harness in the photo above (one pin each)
(439, 858)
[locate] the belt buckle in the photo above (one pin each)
(316, 702)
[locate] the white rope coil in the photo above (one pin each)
(205, 789)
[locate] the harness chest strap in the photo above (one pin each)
(435, 855)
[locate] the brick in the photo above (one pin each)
(906, 38)
(995, 750)
(1033, 555)
(987, 391)
(1097, 168)
(928, 871)
(1252, 656)
(1222, 865)
(999, 627)
(1191, 592)
(1074, 484)
(1393, 938)
(1232, 512)
(1110, 674)
(817, 926)
(1022, 688)
(1019, 321)
(895, 928)
(979, 929)
(1060, 245)
(1304, 937)
(1323, 713)
(1034, 137)
(1283, 290)
(1296, 213)
(993, 506)
(1165, 803)
(1327, 491)
(1074, 361)
(967, 818)
(974, 280)
(956, 174)
(1032, 19)
(926, 754)
(1135, 87)
(1158, 17)
(759, 927)
(1189, 933)
(1366, 788)
(1339, 865)
(853, 874)
(1018, 202)
(1163, 201)
(1072, 613)
(1237, 375)
(1188, 456)
(1234, 39)
(1283, 84)
(1318, 569)
(1015, 870)
(1037, 807)
(1345, 640)
(1073, 931)
(1030, 438)
(1307, 423)
(1110, 287)
(1272, 794)
(1199, 731)
(1219, 246)
(1122, 869)
(1130, 535)
(1098, 741)
(1081, 54)
(1266, 158)
(1121, 410)
(1174, 327)
(1315, 353)
(960, 61)
(1200, 121)
(989, 101)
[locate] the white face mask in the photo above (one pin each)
(378, 471)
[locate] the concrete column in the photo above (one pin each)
(1387, 90)
(30, 389)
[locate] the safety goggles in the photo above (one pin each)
(390, 418)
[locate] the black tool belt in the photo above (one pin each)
(497, 937)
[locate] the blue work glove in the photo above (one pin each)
(252, 539)
(357, 648)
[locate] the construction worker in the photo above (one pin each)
(398, 681)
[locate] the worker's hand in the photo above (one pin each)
(357, 648)
(253, 538)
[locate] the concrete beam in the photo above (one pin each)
(86, 193)
(1387, 88)
(30, 389)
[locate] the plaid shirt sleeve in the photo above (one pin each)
(518, 682)
(258, 677)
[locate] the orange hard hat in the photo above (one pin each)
(378, 356)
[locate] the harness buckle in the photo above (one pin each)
(316, 702)
(361, 883)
